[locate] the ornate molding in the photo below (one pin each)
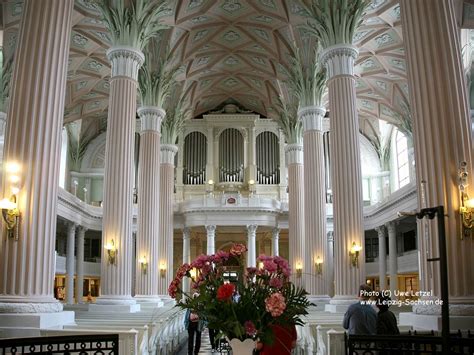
(168, 151)
(150, 118)
(339, 60)
(294, 153)
(125, 61)
(312, 118)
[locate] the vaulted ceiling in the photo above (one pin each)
(233, 49)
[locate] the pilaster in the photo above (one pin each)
(252, 245)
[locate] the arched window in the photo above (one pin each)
(231, 156)
(195, 155)
(403, 169)
(63, 163)
(268, 159)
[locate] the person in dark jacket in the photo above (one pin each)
(194, 326)
(386, 321)
(360, 318)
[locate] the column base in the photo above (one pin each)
(114, 308)
(110, 304)
(339, 304)
(319, 300)
(149, 300)
(434, 322)
(30, 324)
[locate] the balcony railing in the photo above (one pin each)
(76, 344)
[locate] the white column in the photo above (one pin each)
(166, 221)
(315, 200)
(392, 256)
(87, 190)
(252, 245)
(211, 236)
(71, 235)
(382, 257)
(330, 263)
(81, 231)
(283, 171)
(443, 139)
(186, 255)
(116, 279)
(33, 141)
(294, 161)
(275, 241)
(147, 252)
(345, 171)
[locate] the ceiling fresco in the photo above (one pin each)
(233, 49)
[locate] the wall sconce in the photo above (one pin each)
(354, 254)
(299, 269)
(319, 265)
(143, 265)
(193, 273)
(111, 252)
(11, 215)
(9, 207)
(210, 186)
(252, 187)
(467, 204)
(162, 269)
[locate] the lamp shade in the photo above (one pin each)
(6, 204)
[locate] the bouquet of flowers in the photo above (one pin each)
(246, 306)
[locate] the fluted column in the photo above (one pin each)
(382, 257)
(165, 237)
(33, 141)
(345, 170)
(294, 161)
(315, 200)
(392, 256)
(275, 241)
(81, 231)
(211, 242)
(148, 229)
(330, 262)
(116, 279)
(71, 236)
(252, 245)
(186, 255)
(443, 138)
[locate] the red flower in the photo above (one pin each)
(225, 292)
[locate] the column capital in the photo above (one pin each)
(186, 233)
(210, 228)
(168, 151)
(391, 227)
(330, 236)
(125, 61)
(150, 118)
(252, 228)
(294, 153)
(276, 232)
(312, 118)
(339, 59)
(71, 225)
(381, 231)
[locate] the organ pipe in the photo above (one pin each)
(195, 159)
(268, 159)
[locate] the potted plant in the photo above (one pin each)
(246, 306)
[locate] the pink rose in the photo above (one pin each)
(275, 304)
(270, 266)
(238, 249)
(276, 282)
